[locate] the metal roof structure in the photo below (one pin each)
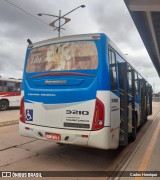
(146, 16)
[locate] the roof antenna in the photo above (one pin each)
(29, 41)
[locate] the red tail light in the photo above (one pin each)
(98, 120)
(22, 114)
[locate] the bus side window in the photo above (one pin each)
(0, 85)
(113, 73)
(18, 87)
(136, 83)
(9, 86)
(5, 86)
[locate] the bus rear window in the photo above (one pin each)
(63, 56)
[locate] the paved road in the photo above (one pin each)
(8, 117)
(26, 154)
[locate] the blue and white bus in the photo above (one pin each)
(81, 90)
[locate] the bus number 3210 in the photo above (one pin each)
(77, 112)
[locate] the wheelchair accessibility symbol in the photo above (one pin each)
(29, 115)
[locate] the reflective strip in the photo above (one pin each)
(121, 130)
(130, 95)
(122, 109)
(130, 125)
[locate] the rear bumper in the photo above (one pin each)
(97, 139)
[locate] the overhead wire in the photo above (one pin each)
(25, 12)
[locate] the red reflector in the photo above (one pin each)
(95, 37)
(84, 136)
(27, 128)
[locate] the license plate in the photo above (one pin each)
(53, 136)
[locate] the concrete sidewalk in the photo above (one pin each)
(9, 117)
(145, 158)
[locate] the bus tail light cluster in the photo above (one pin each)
(22, 114)
(98, 119)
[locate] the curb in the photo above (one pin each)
(7, 123)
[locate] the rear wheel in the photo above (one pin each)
(4, 105)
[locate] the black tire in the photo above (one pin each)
(4, 105)
(134, 132)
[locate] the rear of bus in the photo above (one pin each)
(65, 92)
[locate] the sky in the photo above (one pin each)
(19, 21)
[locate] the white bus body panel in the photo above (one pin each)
(106, 138)
(98, 139)
(55, 115)
(14, 101)
(115, 120)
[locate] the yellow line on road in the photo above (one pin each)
(146, 158)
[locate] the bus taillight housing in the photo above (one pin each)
(98, 119)
(22, 114)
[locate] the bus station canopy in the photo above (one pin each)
(146, 16)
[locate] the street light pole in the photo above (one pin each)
(59, 19)
(59, 28)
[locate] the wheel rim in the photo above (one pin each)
(3, 105)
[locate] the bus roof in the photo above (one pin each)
(65, 39)
(10, 79)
